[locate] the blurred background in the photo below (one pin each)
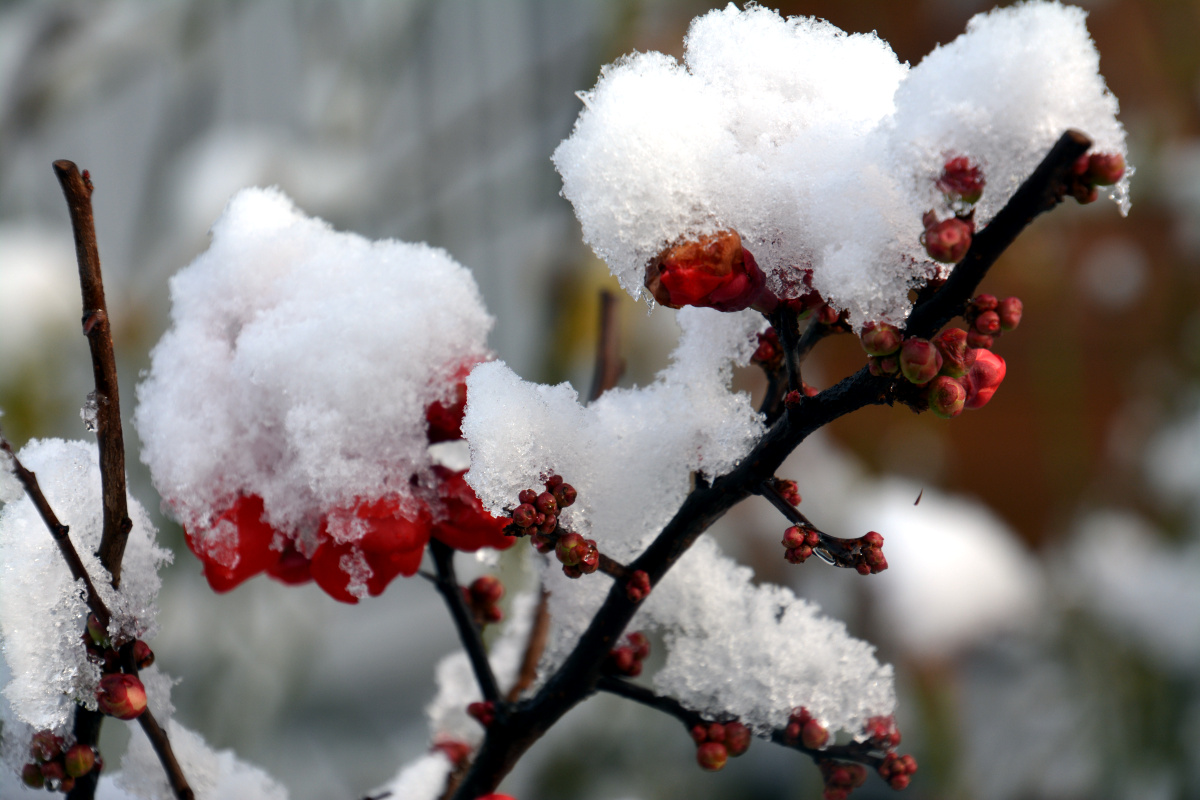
(1044, 614)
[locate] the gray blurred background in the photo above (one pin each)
(434, 121)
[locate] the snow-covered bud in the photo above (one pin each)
(919, 360)
(713, 272)
(882, 732)
(553, 481)
(1105, 169)
(987, 323)
(143, 656)
(952, 344)
(769, 353)
(712, 756)
(737, 738)
(458, 752)
(880, 338)
(79, 760)
(122, 696)
(961, 179)
(947, 241)
(564, 495)
(1009, 311)
(946, 396)
(483, 712)
(96, 632)
(45, 746)
(984, 378)
(637, 588)
(828, 315)
(444, 420)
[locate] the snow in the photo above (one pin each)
(299, 365)
(820, 148)
(42, 610)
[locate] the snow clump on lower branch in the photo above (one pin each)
(820, 148)
(734, 648)
(42, 608)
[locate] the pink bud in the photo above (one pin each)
(984, 302)
(484, 713)
(919, 361)
(79, 760)
(570, 548)
(1010, 313)
(712, 756)
(45, 746)
(962, 179)
(638, 586)
(813, 735)
(793, 537)
(952, 345)
(122, 696)
(737, 738)
(880, 338)
(143, 656)
(984, 378)
(948, 241)
(486, 590)
(988, 323)
(548, 524)
(1105, 169)
(553, 482)
(872, 539)
(640, 644)
(699, 734)
(716, 732)
(946, 396)
(979, 341)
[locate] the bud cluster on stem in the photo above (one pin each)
(55, 766)
(1092, 170)
(717, 741)
(483, 596)
(713, 271)
(626, 659)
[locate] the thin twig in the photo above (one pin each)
(162, 747)
(609, 364)
(77, 189)
(788, 327)
(579, 674)
(468, 631)
(833, 549)
(538, 635)
(59, 532)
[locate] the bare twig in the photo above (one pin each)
(833, 549)
(468, 631)
(162, 747)
(609, 364)
(77, 189)
(59, 532)
(534, 648)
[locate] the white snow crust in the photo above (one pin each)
(299, 365)
(42, 609)
(819, 147)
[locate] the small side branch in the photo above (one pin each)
(59, 532)
(468, 631)
(162, 748)
(788, 328)
(538, 635)
(833, 549)
(609, 364)
(77, 189)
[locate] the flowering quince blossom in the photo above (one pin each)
(330, 364)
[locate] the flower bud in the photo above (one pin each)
(828, 315)
(947, 241)
(769, 353)
(638, 586)
(541, 542)
(979, 341)
(96, 632)
(486, 590)
(640, 644)
(961, 179)
(946, 396)
(484, 712)
(54, 773)
(987, 323)
(919, 361)
(589, 562)
(527, 497)
(793, 537)
(524, 515)
(45, 746)
(1105, 169)
(143, 656)
(548, 524)
(457, 752)
(983, 302)
(716, 732)
(880, 338)
(713, 271)
(984, 378)
(553, 481)
(31, 776)
(712, 756)
(122, 696)
(952, 345)
(546, 504)
(737, 738)
(1009, 310)
(79, 760)
(564, 494)
(699, 734)
(872, 539)
(789, 491)
(570, 548)
(813, 735)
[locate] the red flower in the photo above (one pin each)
(464, 524)
(393, 544)
(711, 272)
(237, 547)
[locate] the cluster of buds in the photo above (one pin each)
(54, 766)
(788, 490)
(961, 181)
(483, 712)
(882, 732)
(1095, 169)
(710, 272)
(119, 694)
(840, 778)
(626, 659)
(537, 513)
(769, 353)
(482, 597)
(578, 555)
(798, 543)
(637, 586)
(897, 770)
(989, 317)
(870, 559)
(717, 741)
(804, 729)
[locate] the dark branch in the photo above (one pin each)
(580, 673)
(78, 192)
(833, 549)
(534, 648)
(609, 364)
(788, 327)
(468, 631)
(162, 747)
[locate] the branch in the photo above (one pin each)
(77, 189)
(788, 327)
(468, 631)
(609, 364)
(534, 648)
(510, 737)
(59, 533)
(833, 550)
